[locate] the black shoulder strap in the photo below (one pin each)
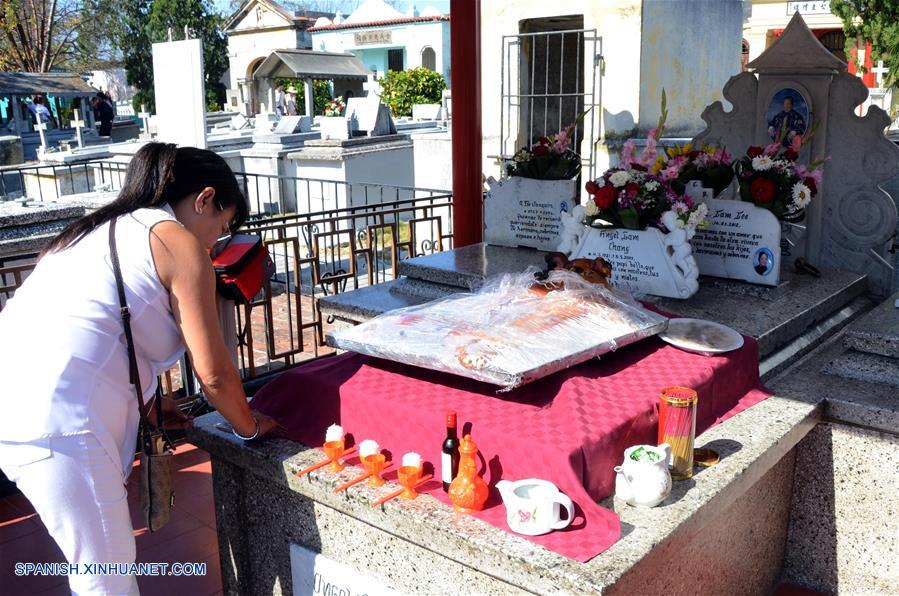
(134, 371)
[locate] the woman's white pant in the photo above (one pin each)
(77, 489)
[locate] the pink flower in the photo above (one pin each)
(628, 154)
(816, 174)
(772, 148)
(669, 173)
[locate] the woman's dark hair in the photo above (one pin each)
(162, 174)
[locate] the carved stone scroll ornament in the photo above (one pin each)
(859, 217)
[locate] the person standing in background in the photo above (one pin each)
(103, 113)
(280, 105)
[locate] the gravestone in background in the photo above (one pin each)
(178, 81)
(369, 115)
(850, 223)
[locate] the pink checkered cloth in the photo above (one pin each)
(570, 428)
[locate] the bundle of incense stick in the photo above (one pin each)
(678, 428)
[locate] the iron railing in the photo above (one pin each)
(316, 254)
(49, 182)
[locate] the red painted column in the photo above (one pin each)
(465, 74)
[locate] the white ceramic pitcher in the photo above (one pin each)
(534, 506)
(644, 483)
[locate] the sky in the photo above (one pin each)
(442, 5)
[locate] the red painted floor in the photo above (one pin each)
(189, 536)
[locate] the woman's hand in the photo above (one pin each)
(172, 416)
(268, 426)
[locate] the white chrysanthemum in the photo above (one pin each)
(802, 195)
(652, 185)
(590, 208)
(762, 163)
(619, 178)
(781, 165)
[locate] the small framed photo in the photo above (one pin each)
(787, 116)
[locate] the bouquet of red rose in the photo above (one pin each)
(770, 178)
(547, 159)
(335, 107)
(628, 198)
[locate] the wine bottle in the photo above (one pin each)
(449, 460)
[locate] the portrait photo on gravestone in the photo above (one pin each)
(787, 116)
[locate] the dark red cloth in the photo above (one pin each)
(570, 428)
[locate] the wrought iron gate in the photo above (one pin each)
(548, 78)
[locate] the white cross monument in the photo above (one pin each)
(77, 125)
(40, 127)
(879, 71)
(144, 116)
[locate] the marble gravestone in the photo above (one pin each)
(369, 115)
(734, 245)
(850, 222)
(525, 212)
(291, 124)
(643, 261)
(180, 91)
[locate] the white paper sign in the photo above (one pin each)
(641, 262)
(314, 574)
(525, 212)
(180, 90)
(743, 242)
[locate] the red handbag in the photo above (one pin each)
(242, 264)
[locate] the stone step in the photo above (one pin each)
(878, 332)
(469, 266)
(780, 360)
(362, 304)
(865, 367)
(774, 316)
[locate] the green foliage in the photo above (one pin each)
(321, 93)
(147, 21)
(401, 89)
(876, 21)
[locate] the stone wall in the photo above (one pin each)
(844, 528)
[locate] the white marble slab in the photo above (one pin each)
(525, 212)
(641, 263)
(734, 245)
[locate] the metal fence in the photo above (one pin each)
(50, 182)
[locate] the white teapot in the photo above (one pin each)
(643, 479)
(534, 506)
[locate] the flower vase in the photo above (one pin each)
(334, 127)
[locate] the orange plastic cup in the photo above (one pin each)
(375, 464)
(409, 476)
(334, 451)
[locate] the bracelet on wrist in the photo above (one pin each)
(251, 437)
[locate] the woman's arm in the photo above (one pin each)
(185, 268)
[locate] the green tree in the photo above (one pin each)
(400, 89)
(148, 21)
(876, 21)
(43, 35)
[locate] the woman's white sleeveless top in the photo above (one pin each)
(63, 359)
